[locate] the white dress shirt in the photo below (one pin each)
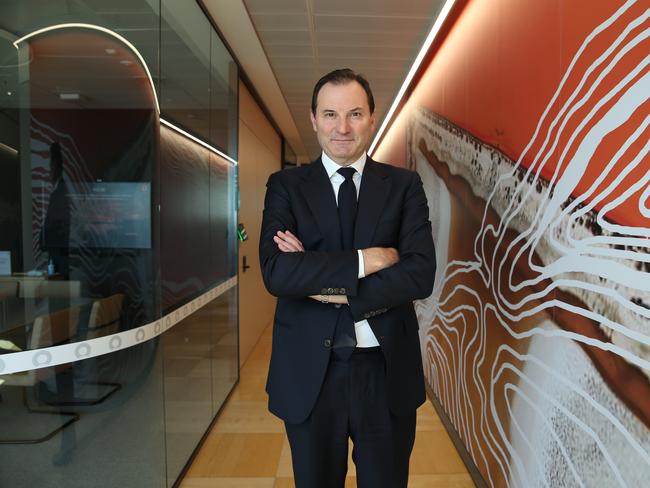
(365, 335)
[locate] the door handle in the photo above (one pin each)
(245, 266)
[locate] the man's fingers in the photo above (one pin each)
(286, 246)
(294, 246)
(288, 232)
(283, 246)
(291, 240)
(287, 242)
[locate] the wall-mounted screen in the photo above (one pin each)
(110, 215)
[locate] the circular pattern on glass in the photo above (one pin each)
(42, 358)
(168, 322)
(139, 335)
(82, 350)
(2, 365)
(115, 342)
(156, 328)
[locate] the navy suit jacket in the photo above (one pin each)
(392, 212)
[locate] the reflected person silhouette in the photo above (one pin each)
(55, 237)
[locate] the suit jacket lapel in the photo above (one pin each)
(317, 190)
(375, 190)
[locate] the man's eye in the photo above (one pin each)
(329, 115)
(356, 115)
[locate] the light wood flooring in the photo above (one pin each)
(247, 446)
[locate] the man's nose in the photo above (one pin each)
(343, 126)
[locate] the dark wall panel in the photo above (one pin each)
(185, 218)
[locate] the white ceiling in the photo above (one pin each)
(304, 39)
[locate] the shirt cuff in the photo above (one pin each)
(362, 268)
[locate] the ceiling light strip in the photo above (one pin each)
(9, 149)
(197, 140)
(101, 29)
(444, 12)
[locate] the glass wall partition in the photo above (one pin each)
(117, 252)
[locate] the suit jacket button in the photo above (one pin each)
(330, 291)
(343, 292)
(323, 291)
(337, 305)
(336, 291)
(366, 315)
(327, 343)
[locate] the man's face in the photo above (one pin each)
(343, 122)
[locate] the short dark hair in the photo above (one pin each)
(340, 77)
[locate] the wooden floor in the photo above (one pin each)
(247, 447)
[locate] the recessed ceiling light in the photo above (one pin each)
(10, 93)
(126, 62)
(69, 96)
(110, 50)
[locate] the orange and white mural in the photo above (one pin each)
(530, 131)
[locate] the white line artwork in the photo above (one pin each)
(536, 339)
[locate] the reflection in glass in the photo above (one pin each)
(185, 67)
(87, 195)
(200, 369)
(116, 442)
(223, 98)
(225, 347)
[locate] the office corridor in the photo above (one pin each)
(247, 447)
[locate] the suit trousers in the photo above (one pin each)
(353, 404)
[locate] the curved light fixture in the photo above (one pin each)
(144, 65)
(444, 12)
(101, 29)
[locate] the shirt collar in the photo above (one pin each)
(332, 166)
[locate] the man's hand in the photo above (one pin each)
(342, 299)
(287, 242)
(378, 258)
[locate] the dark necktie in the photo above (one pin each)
(344, 337)
(347, 202)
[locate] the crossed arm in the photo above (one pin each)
(374, 259)
(391, 279)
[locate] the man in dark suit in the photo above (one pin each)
(346, 246)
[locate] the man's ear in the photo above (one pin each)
(313, 121)
(372, 121)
